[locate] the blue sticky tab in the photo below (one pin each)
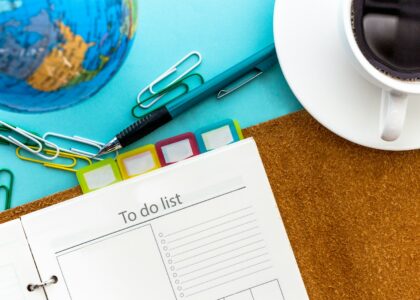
(217, 135)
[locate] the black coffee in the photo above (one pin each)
(388, 34)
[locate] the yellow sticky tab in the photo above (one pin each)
(138, 161)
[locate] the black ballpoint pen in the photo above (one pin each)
(259, 62)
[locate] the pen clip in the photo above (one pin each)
(226, 91)
(259, 69)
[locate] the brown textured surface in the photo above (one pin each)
(40, 204)
(351, 213)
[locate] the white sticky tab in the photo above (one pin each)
(218, 137)
(140, 163)
(177, 151)
(100, 177)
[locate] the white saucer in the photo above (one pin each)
(313, 58)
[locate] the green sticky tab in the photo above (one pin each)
(238, 129)
(98, 175)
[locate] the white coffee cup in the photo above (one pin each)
(395, 92)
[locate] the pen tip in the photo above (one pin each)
(100, 153)
(110, 147)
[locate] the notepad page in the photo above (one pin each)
(17, 268)
(204, 228)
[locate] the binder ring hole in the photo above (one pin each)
(33, 287)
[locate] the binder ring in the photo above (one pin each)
(32, 287)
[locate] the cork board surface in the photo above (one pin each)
(351, 213)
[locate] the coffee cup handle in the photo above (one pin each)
(393, 112)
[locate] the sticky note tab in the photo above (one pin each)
(98, 175)
(218, 135)
(238, 129)
(177, 148)
(138, 161)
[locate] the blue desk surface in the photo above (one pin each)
(225, 32)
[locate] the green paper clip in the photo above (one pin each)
(9, 188)
(4, 142)
(152, 99)
(8, 200)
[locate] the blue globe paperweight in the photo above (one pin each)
(56, 53)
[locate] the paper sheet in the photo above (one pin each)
(204, 228)
(17, 268)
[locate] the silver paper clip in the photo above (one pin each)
(166, 74)
(77, 139)
(38, 141)
(140, 102)
(174, 68)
